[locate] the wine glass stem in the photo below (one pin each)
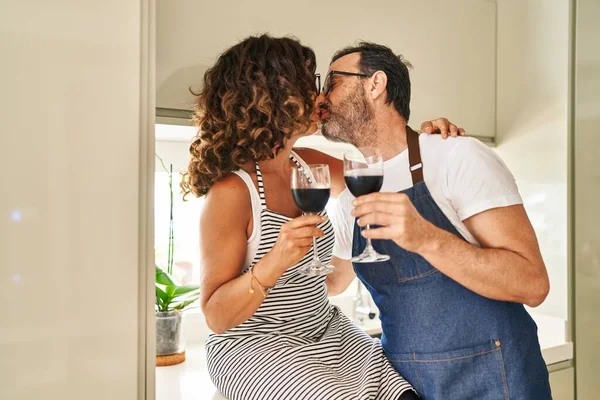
(315, 251)
(369, 249)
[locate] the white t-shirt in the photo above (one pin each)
(465, 177)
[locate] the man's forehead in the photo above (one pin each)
(348, 62)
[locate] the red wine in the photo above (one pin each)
(311, 200)
(363, 184)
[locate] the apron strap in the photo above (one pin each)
(414, 155)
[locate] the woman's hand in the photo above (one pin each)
(295, 239)
(442, 126)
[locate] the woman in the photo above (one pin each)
(276, 334)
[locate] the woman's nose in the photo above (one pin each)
(319, 100)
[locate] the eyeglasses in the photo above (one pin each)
(328, 85)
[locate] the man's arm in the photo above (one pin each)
(507, 233)
(507, 267)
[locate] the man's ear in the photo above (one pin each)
(377, 85)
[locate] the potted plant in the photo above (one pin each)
(172, 299)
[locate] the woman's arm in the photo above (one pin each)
(225, 295)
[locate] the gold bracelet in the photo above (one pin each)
(264, 290)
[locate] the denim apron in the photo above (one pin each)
(447, 341)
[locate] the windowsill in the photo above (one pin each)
(190, 379)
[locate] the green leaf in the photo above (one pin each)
(163, 277)
(161, 295)
(186, 303)
(183, 299)
(170, 290)
(180, 290)
(185, 289)
(162, 300)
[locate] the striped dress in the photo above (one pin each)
(297, 345)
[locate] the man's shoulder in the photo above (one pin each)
(436, 142)
(437, 150)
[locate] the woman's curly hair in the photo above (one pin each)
(258, 93)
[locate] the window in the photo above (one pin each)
(186, 215)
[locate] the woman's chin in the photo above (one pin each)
(314, 128)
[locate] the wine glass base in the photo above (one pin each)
(370, 258)
(316, 269)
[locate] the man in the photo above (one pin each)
(464, 256)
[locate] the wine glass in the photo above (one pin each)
(310, 190)
(363, 173)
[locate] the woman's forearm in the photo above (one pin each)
(232, 303)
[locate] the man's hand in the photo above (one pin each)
(398, 218)
(443, 126)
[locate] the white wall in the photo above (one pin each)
(70, 161)
(533, 60)
(451, 45)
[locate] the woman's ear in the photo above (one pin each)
(378, 84)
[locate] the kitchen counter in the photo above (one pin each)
(190, 380)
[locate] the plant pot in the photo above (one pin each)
(169, 337)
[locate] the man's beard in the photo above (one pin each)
(350, 122)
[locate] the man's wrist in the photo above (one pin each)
(433, 242)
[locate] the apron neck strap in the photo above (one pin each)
(414, 155)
